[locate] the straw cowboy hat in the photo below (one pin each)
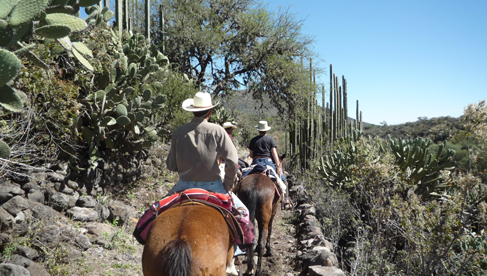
(228, 125)
(200, 102)
(263, 126)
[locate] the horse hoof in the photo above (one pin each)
(268, 254)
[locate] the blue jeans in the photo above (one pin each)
(268, 161)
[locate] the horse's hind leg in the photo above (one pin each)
(275, 204)
(250, 260)
(263, 233)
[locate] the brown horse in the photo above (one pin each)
(258, 193)
(188, 240)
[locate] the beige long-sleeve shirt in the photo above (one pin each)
(195, 148)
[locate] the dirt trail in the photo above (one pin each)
(283, 245)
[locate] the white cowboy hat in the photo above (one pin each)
(263, 126)
(201, 102)
(228, 124)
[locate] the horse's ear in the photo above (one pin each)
(282, 156)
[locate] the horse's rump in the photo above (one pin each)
(187, 240)
(254, 191)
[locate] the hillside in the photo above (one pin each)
(436, 129)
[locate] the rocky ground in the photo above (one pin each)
(48, 228)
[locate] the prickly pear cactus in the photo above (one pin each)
(9, 67)
(16, 22)
(25, 11)
(123, 116)
(4, 150)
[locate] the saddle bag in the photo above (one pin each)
(144, 224)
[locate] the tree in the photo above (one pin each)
(234, 44)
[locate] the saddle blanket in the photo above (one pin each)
(270, 172)
(198, 195)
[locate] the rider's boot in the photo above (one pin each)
(231, 270)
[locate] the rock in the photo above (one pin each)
(83, 242)
(317, 270)
(120, 211)
(61, 201)
(61, 187)
(13, 270)
(83, 214)
(96, 230)
(37, 269)
(103, 211)
(55, 177)
(51, 236)
(20, 260)
(9, 190)
(19, 218)
(72, 184)
(31, 186)
(27, 252)
(6, 220)
(16, 205)
(73, 253)
(321, 256)
(36, 196)
(86, 201)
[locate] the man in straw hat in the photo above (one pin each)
(195, 147)
(229, 127)
(263, 149)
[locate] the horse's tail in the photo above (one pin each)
(250, 198)
(176, 258)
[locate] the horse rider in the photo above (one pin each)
(229, 127)
(263, 149)
(195, 148)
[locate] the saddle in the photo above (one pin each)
(262, 168)
(220, 202)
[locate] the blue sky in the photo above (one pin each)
(402, 59)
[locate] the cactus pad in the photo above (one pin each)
(54, 31)
(9, 66)
(6, 33)
(147, 94)
(82, 60)
(59, 9)
(108, 121)
(7, 6)
(121, 110)
(25, 11)
(36, 60)
(9, 99)
(123, 120)
(66, 43)
(75, 23)
(20, 32)
(107, 16)
(82, 49)
(59, 2)
(87, 3)
(4, 150)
